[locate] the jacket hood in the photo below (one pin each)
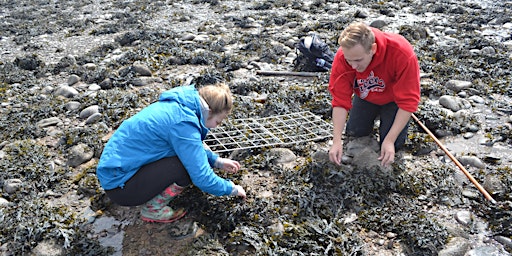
(187, 96)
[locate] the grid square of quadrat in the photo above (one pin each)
(280, 130)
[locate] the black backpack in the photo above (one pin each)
(313, 55)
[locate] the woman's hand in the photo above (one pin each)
(238, 190)
(241, 191)
(230, 166)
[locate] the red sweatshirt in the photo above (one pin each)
(393, 75)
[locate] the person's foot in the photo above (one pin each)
(164, 215)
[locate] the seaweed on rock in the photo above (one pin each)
(28, 219)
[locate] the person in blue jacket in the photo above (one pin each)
(159, 151)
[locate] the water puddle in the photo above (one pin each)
(110, 233)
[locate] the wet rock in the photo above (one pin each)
(471, 161)
(355, 145)
(29, 62)
(504, 241)
(468, 135)
(141, 70)
(276, 229)
(144, 81)
(378, 24)
(493, 184)
(281, 155)
(458, 85)
(464, 217)
(48, 122)
(360, 14)
(73, 79)
(470, 194)
(12, 185)
(366, 158)
(188, 37)
(89, 111)
(64, 62)
(454, 103)
(484, 251)
(79, 154)
(488, 51)
(93, 118)
(66, 91)
(90, 66)
(457, 246)
(321, 156)
(106, 84)
(94, 87)
(3, 202)
(72, 105)
(477, 99)
(48, 248)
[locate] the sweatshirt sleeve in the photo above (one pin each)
(189, 148)
(341, 82)
(407, 89)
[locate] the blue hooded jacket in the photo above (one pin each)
(172, 126)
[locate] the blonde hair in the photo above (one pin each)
(357, 33)
(218, 97)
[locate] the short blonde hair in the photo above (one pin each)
(357, 33)
(218, 97)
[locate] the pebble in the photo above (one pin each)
(66, 91)
(454, 103)
(470, 194)
(504, 241)
(458, 85)
(93, 118)
(12, 185)
(141, 70)
(3, 202)
(51, 121)
(72, 105)
(89, 111)
(477, 99)
(455, 246)
(484, 251)
(471, 161)
(79, 154)
(73, 79)
(281, 155)
(90, 66)
(94, 87)
(464, 217)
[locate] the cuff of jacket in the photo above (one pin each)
(219, 163)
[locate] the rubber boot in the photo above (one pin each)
(157, 210)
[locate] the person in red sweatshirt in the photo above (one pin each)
(374, 74)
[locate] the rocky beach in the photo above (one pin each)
(72, 71)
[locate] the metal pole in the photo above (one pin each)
(470, 177)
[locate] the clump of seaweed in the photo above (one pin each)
(308, 211)
(28, 220)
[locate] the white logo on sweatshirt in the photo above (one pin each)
(371, 84)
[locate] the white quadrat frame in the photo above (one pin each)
(279, 130)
